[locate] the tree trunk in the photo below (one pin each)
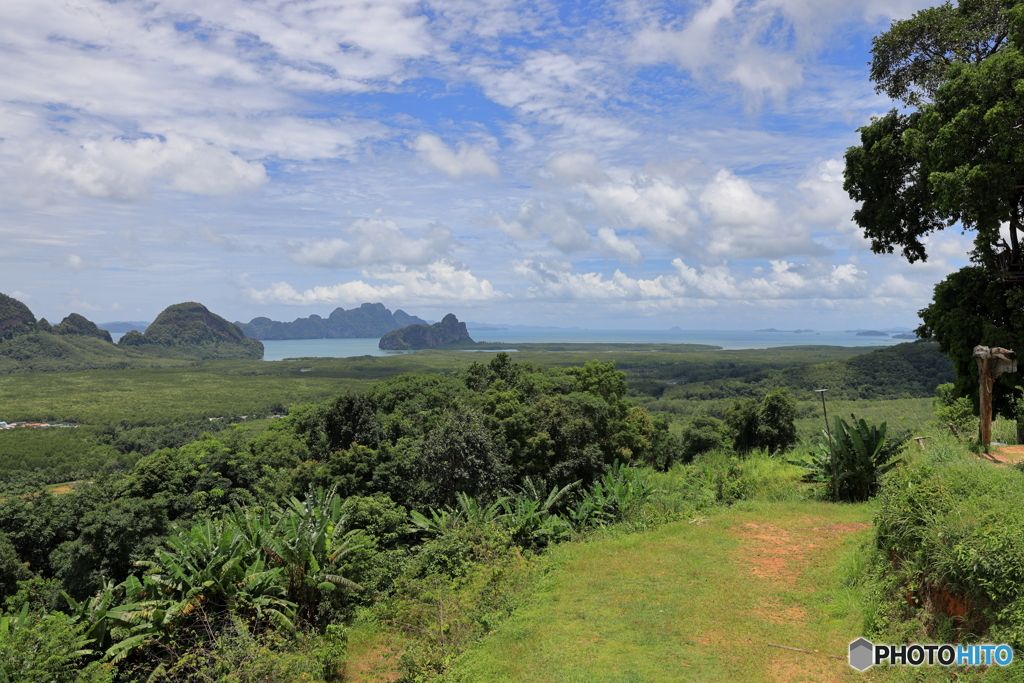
(1014, 244)
(985, 402)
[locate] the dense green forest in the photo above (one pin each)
(901, 371)
(127, 413)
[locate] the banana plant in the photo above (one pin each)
(620, 487)
(467, 510)
(42, 648)
(309, 542)
(213, 566)
(853, 460)
(531, 517)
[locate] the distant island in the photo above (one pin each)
(872, 333)
(675, 328)
(445, 333)
(367, 321)
(904, 336)
(772, 329)
(120, 326)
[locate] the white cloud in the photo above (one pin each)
(645, 200)
(555, 220)
(622, 249)
(469, 160)
(826, 205)
(556, 280)
(676, 205)
(442, 281)
(762, 46)
(72, 262)
(745, 224)
(371, 242)
(114, 168)
(556, 89)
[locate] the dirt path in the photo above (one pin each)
(784, 559)
(691, 602)
(1005, 455)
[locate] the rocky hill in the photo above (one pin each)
(445, 333)
(80, 325)
(182, 334)
(191, 329)
(15, 317)
(369, 320)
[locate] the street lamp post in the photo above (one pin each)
(831, 450)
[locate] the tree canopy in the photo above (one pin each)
(953, 157)
(956, 159)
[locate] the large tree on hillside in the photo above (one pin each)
(953, 157)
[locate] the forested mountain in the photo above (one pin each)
(190, 328)
(15, 317)
(369, 320)
(183, 332)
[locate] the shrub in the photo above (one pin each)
(956, 414)
(703, 434)
(47, 650)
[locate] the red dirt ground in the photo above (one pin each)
(780, 557)
(1006, 455)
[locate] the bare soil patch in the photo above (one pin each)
(1005, 455)
(376, 662)
(779, 554)
(778, 558)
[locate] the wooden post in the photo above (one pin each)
(992, 362)
(985, 401)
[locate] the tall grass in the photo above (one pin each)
(950, 534)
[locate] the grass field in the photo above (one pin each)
(702, 601)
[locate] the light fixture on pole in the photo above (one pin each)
(821, 392)
(831, 450)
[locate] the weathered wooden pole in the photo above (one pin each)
(985, 401)
(992, 362)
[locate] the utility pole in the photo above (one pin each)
(831, 450)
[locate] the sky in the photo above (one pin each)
(611, 165)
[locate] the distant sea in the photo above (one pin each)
(278, 349)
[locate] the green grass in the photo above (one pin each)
(688, 602)
(911, 414)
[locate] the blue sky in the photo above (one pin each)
(607, 165)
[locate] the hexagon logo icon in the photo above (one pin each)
(862, 654)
